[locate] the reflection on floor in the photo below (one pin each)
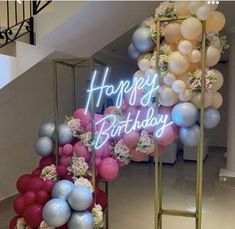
(131, 196)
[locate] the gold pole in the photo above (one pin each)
(107, 208)
(93, 131)
(157, 167)
(200, 151)
(56, 111)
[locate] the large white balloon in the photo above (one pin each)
(172, 32)
(191, 28)
(167, 97)
(212, 56)
(185, 47)
(220, 80)
(194, 5)
(169, 79)
(178, 86)
(203, 12)
(178, 64)
(144, 64)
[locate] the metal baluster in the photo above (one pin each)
(23, 5)
(8, 20)
(16, 16)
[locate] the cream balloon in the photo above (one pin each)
(181, 8)
(177, 63)
(215, 22)
(203, 12)
(220, 81)
(217, 100)
(153, 61)
(185, 47)
(144, 64)
(167, 97)
(185, 96)
(185, 78)
(138, 74)
(196, 100)
(194, 5)
(212, 56)
(169, 79)
(191, 28)
(172, 32)
(178, 86)
(195, 56)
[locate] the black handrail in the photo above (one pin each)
(19, 20)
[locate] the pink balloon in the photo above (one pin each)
(48, 185)
(80, 150)
(85, 119)
(42, 196)
(137, 155)
(142, 114)
(36, 184)
(47, 161)
(64, 161)
(23, 183)
(124, 105)
(109, 169)
(33, 215)
(104, 151)
(98, 161)
(19, 205)
(68, 150)
(37, 172)
(132, 110)
(138, 98)
(167, 137)
(131, 139)
(29, 197)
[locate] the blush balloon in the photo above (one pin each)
(81, 151)
(167, 137)
(85, 119)
(138, 156)
(131, 139)
(132, 110)
(108, 169)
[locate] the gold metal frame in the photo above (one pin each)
(76, 63)
(158, 209)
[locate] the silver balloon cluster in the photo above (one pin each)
(69, 206)
(186, 116)
(141, 42)
(46, 144)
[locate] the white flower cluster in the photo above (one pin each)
(145, 143)
(83, 181)
(78, 166)
(122, 152)
(98, 216)
(49, 173)
(75, 126)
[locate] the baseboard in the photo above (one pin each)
(7, 198)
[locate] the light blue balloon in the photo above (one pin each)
(211, 118)
(62, 189)
(65, 134)
(190, 136)
(133, 53)
(80, 198)
(81, 220)
(56, 212)
(185, 114)
(142, 41)
(47, 130)
(44, 146)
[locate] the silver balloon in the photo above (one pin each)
(190, 136)
(81, 220)
(141, 40)
(80, 198)
(62, 189)
(56, 212)
(185, 114)
(133, 53)
(44, 146)
(211, 118)
(65, 134)
(46, 130)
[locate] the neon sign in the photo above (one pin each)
(116, 127)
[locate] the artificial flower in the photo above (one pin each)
(78, 166)
(84, 182)
(98, 216)
(122, 152)
(49, 173)
(146, 143)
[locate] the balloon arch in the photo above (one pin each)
(63, 196)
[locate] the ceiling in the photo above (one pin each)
(119, 47)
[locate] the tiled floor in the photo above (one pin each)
(131, 196)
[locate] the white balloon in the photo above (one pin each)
(191, 28)
(194, 5)
(144, 64)
(195, 56)
(178, 64)
(138, 74)
(212, 56)
(185, 47)
(167, 97)
(169, 79)
(203, 12)
(178, 86)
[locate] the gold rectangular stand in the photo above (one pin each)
(159, 211)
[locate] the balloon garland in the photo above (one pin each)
(63, 196)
